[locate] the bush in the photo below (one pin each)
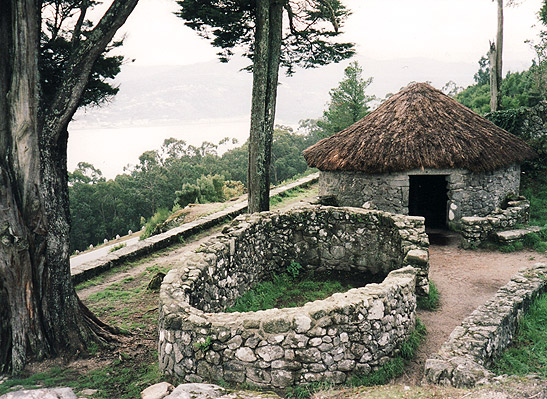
(208, 188)
(155, 221)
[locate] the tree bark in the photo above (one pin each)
(495, 56)
(40, 314)
(269, 17)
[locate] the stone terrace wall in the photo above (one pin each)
(476, 230)
(462, 360)
(256, 246)
(327, 340)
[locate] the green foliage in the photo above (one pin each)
(155, 221)
(476, 97)
(101, 209)
(294, 269)
(203, 346)
(119, 246)
(208, 188)
(535, 189)
(307, 40)
(56, 49)
(528, 352)
(348, 102)
(431, 301)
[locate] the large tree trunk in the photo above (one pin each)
(269, 17)
(40, 314)
(495, 56)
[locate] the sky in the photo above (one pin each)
(446, 30)
(397, 41)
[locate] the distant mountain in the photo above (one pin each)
(168, 95)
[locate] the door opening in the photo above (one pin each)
(428, 197)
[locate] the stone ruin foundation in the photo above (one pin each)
(329, 340)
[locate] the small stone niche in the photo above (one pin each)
(325, 340)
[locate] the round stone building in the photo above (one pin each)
(421, 153)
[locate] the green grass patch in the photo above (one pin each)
(528, 353)
(124, 378)
(119, 246)
(431, 301)
(288, 291)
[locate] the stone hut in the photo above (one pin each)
(421, 153)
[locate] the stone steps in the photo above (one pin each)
(509, 236)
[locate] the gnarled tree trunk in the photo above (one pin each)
(40, 314)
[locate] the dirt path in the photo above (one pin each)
(465, 280)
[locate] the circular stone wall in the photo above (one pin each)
(349, 333)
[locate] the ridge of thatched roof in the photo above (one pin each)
(419, 127)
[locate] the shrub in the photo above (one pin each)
(154, 222)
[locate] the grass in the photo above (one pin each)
(528, 353)
(432, 301)
(394, 368)
(536, 241)
(119, 246)
(124, 378)
(293, 195)
(287, 290)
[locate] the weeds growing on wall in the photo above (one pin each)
(528, 353)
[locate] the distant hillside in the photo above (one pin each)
(167, 95)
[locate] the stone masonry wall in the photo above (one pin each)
(469, 194)
(476, 230)
(472, 346)
(328, 339)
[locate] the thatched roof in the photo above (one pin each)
(418, 128)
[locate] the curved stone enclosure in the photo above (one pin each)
(347, 333)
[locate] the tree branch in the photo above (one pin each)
(78, 27)
(76, 76)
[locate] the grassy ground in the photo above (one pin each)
(528, 354)
(288, 290)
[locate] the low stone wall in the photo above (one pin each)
(476, 230)
(323, 340)
(462, 360)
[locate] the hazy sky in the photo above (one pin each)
(451, 30)
(397, 41)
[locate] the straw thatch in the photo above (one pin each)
(418, 128)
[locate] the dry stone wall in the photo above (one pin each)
(469, 194)
(476, 230)
(462, 361)
(326, 340)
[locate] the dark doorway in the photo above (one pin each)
(428, 197)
